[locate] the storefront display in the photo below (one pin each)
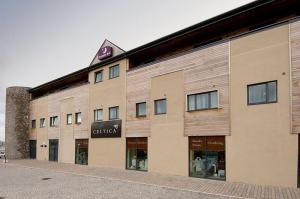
(81, 151)
(207, 157)
(137, 154)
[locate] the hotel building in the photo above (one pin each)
(217, 100)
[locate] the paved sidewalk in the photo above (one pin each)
(217, 188)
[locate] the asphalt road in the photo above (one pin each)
(22, 182)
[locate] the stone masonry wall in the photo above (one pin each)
(17, 123)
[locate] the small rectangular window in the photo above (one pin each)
(114, 71)
(33, 124)
(262, 93)
(141, 109)
(98, 76)
(200, 101)
(160, 106)
(98, 115)
(54, 121)
(69, 119)
(78, 118)
(42, 123)
(114, 113)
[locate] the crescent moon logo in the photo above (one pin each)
(104, 50)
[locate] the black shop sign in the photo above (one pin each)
(106, 129)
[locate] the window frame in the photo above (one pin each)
(155, 109)
(209, 101)
(52, 121)
(67, 122)
(110, 71)
(44, 119)
(95, 79)
(95, 115)
(109, 116)
(137, 109)
(267, 93)
(33, 124)
(76, 118)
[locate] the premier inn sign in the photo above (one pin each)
(106, 129)
(105, 52)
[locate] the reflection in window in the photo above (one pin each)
(42, 123)
(207, 157)
(98, 115)
(114, 71)
(137, 155)
(262, 93)
(78, 118)
(54, 121)
(160, 106)
(141, 109)
(98, 76)
(69, 119)
(114, 113)
(199, 101)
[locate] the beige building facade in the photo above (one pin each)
(220, 108)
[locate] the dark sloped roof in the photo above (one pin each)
(250, 16)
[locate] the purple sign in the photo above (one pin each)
(105, 52)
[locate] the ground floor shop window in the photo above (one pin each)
(137, 154)
(207, 156)
(81, 151)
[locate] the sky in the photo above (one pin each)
(43, 40)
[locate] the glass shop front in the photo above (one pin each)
(81, 151)
(137, 154)
(207, 157)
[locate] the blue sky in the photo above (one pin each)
(43, 40)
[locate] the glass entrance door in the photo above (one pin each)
(32, 149)
(53, 150)
(81, 151)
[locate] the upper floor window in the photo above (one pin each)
(141, 109)
(200, 101)
(98, 76)
(114, 113)
(114, 71)
(78, 118)
(69, 119)
(33, 124)
(262, 93)
(160, 106)
(98, 115)
(54, 121)
(42, 123)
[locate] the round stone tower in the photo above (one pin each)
(17, 122)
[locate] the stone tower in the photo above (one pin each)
(17, 122)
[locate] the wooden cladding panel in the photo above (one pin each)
(52, 105)
(212, 75)
(295, 74)
(204, 70)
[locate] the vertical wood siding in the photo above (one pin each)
(204, 70)
(295, 74)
